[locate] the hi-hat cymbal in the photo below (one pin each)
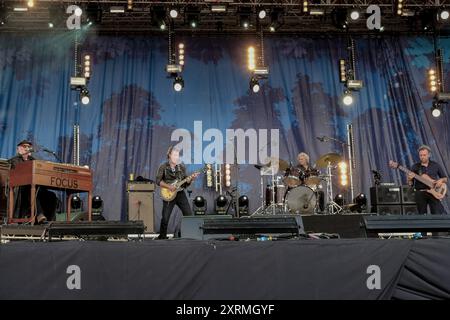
(329, 158)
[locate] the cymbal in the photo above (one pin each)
(273, 161)
(328, 158)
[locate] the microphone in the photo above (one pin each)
(30, 149)
(322, 138)
(48, 151)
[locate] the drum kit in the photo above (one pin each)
(292, 190)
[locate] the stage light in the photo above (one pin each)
(162, 26)
(359, 203)
(347, 99)
(243, 203)
(97, 202)
(218, 8)
(193, 18)
(316, 12)
(254, 85)
(354, 15)
(400, 6)
(199, 205)
(436, 110)
(84, 96)
(227, 172)
(50, 25)
(433, 80)
(193, 24)
(178, 84)
(30, 3)
(181, 54)
(444, 15)
(272, 29)
(305, 6)
(173, 13)
(20, 9)
(262, 14)
(343, 173)
(209, 176)
(76, 202)
(221, 204)
(87, 66)
(251, 63)
(116, 9)
(339, 199)
(78, 12)
(130, 4)
(342, 71)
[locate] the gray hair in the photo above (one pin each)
(304, 155)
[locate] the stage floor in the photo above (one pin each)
(189, 269)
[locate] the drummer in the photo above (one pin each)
(303, 162)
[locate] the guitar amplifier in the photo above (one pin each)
(140, 203)
(385, 195)
(387, 210)
(409, 210)
(408, 195)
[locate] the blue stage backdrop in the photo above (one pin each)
(127, 126)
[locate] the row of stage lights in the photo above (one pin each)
(221, 205)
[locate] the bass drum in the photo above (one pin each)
(301, 200)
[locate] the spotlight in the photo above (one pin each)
(305, 6)
(399, 7)
(162, 26)
(30, 3)
(262, 14)
(436, 110)
(243, 205)
(76, 203)
(94, 13)
(192, 18)
(339, 199)
(173, 13)
(130, 4)
(221, 204)
(193, 24)
(339, 18)
(342, 71)
(199, 205)
(359, 203)
(50, 25)
(116, 9)
(84, 96)
(178, 84)
(78, 12)
(347, 99)
(354, 15)
(254, 85)
(87, 66)
(444, 15)
(97, 202)
(272, 29)
(218, 8)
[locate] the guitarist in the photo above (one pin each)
(434, 170)
(168, 172)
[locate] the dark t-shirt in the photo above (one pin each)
(18, 159)
(168, 174)
(434, 170)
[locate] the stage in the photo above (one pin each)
(224, 270)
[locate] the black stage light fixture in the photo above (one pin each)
(76, 203)
(221, 204)
(428, 19)
(3, 14)
(158, 17)
(339, 199)
(254, 85)
(97, 202)
(339, 18)
(444, 15)
(178, 84)
(243, 205)
(192, 16)
(436, 109)
(199, 205)
(94, 13)
(359, 203)
(84, 96)
(97, 209)
(56, 16)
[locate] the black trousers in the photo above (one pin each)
(425, 199)
(182, 202)
(46, 202)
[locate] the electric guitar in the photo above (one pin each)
(438, 193)
(168, 195)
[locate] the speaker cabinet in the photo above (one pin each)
(408, 195)
(140, 203)
(409, 210)
(385, 210)
(385, 195)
